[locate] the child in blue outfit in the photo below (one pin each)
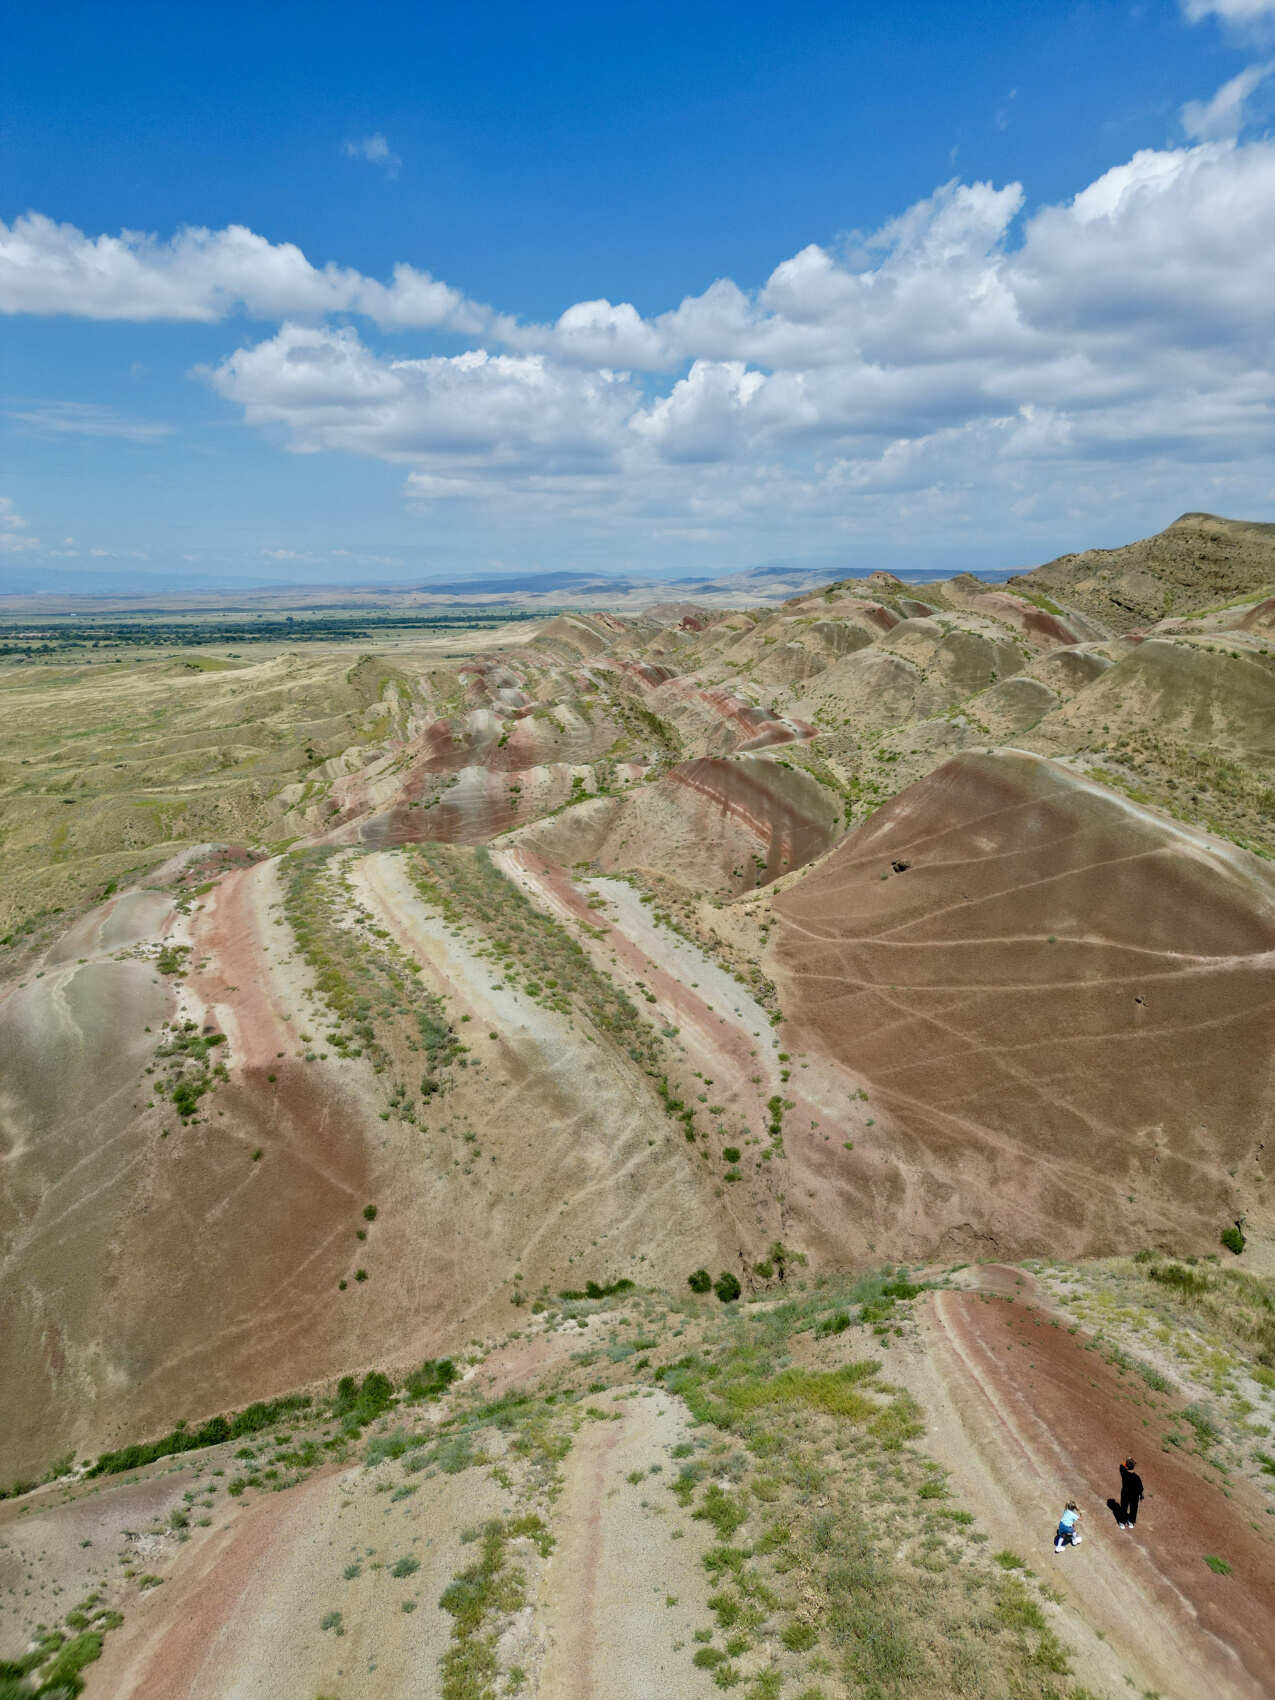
(1067, 1536)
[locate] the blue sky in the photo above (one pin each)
(324, 293)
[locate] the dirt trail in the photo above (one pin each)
(620, 1590)
(1025, 1414)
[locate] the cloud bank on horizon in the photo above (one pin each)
(974, 354)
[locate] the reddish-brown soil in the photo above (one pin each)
(157, 1271)
(1027, 1415)
(1064, 1004)
(1021, 1012)
(747, 725)
(241, 1606)
(239, 1258)
(1261, 618)
(1037, 625)
(721, 824)
(792, 819)
(165, 1645)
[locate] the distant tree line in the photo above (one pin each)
(48, 639)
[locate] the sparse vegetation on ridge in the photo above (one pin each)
(189, 1074)
(355, 1403)
(1198, 1334)
(52, 1668)
(832, 1538)
(538, 956)
(363, 977)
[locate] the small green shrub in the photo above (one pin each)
(836, 1324)
(383, 1446)
(1233, 1239)
(454, 1453)
(251, 1420)
(63, 1675)
(722, 1510)
(594, 1290)
(767, 1685)
(361, 1403)
(1202, 1420)
(1016, 1609)
(727, 1287)
(431, 1380)
(835, 1392)
(700, 1281)
(799, 1637)
(725, 1608)
(1217, 1565)
(1185, 1280)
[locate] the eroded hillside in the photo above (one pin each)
(640, 941)
(357, 1006)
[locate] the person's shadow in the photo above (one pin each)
(1113, 1505)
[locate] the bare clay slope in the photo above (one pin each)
(152, 1266)
(390, 1126)
(1064, 1004)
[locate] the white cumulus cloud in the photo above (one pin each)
(966, 346)
(15, 538)
(486, 411)
(1230, 11)
(706, 414)
(375, 150)
(1223, 117)
(974, 354)
(206, 275)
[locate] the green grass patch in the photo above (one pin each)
(251, 1420)
(835, 1392)
(476, 1600)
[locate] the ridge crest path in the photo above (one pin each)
(1026, 1414)
(610, 1629)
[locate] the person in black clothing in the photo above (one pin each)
(1130, 1493)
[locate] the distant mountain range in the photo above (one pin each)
(779, 578)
